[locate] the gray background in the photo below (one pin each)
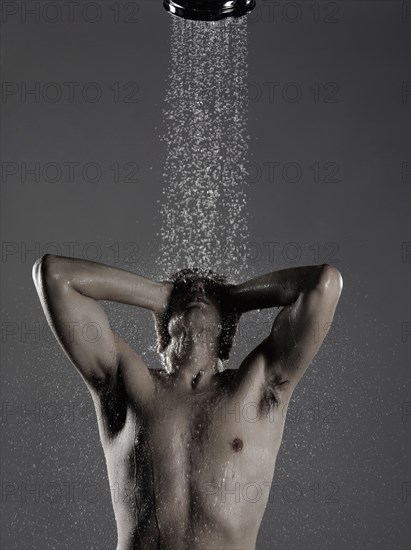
(343, 470)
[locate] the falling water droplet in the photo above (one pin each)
(204, 220)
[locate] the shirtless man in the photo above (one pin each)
(191, 447)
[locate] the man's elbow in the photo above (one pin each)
(331, 281)
(45, 269)
(35, 272)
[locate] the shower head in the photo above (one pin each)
(209, 10)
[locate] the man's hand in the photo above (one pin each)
(166, 288)
(232, 300)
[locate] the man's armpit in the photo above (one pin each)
(270, 378)
(276, 383)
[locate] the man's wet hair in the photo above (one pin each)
(216, 285)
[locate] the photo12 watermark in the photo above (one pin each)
(69, 171)
(69, 92)
(73, 12)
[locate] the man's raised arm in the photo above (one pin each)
(310, 296)
(69, 288)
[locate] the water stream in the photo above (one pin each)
(204, 219)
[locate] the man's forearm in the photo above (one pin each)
(278, 288)
(101, 282)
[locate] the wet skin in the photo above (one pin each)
(194, 466)
(190, 453)
(193, 469)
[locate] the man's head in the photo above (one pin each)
(199, 299)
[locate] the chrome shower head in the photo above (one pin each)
(209, 10)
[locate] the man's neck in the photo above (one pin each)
(194, 361)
